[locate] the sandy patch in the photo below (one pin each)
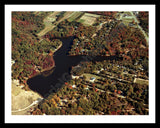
(21, 99)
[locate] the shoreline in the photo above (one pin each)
(52, 60)
(38, 72)
(24, 87)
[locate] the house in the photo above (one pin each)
(74, 77)
(136, 13)
(73, 86)
(101, 24)
(86, 88)
(98, 72)
(92, 79)
(119, 92)
(96, 90)
(102, 69)
(12, 62)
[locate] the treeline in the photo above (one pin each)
(66, 28)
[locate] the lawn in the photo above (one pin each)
(88, 76)
(97, 80)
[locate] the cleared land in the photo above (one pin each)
(75, 16)
(88, 19)
(51, 18)
(85, 18)
(48, 23)
(22, 100)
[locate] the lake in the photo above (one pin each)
(61, 73)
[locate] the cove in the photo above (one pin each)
(63, 63)
(61, 72)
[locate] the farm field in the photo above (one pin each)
(75, 16)
(88, 19)
(48, 23)
(51, 18)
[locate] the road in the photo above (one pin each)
(34, 103)
(144, 33)
(136, 21)
(48, 23)
(109, 92)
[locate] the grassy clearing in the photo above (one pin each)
(75, 16)
(21, 98)
(81, 20)
(88, 19)
(92, 15)
(141, 81)
(48, 23)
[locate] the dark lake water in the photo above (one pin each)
(49, 84)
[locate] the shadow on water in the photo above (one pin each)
(45, 85)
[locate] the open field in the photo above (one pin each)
(51, 18)
(75, 16)
(22, 99)
(88, 19)
(48, 23)
(85, 18)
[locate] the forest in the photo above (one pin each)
(144, 18)
(31, 54)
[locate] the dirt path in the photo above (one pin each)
(34, 103)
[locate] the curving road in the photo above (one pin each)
(144, 33)
(34, 103)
